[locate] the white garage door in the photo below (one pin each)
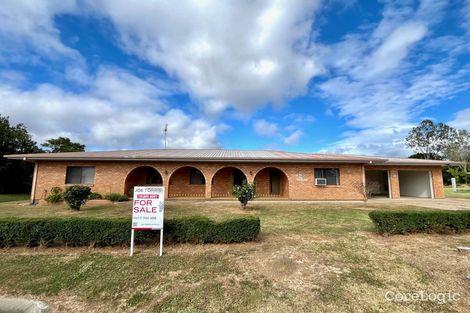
(415, 184)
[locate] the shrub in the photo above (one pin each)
(55, 196)
(244, 192)
(95, 196)
(404, 222)
(78, 231)
(116, 197)
(76, 196)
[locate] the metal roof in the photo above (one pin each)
(220, 155)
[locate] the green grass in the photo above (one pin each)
(462, 192)
(309, 258)
(14, 197)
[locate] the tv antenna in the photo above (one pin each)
(165, 132)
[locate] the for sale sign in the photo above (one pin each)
(147, 208)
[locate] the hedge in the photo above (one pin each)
(78, 231)
(406, 222)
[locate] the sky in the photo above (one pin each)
(311, 76)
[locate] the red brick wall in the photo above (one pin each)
(222, 183)
(111, 177)
(180, 187)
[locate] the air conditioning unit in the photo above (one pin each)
(320, 181)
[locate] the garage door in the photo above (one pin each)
(415, 184)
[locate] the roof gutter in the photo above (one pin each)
(30, 159)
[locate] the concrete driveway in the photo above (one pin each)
(442, 204)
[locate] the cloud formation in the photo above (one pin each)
(380, 88)
(227, 54)
(106, 114)
(236, 57)
(266, 129)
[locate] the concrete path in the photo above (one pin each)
(442, 204)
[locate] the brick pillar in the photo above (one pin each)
(208, 177)
(437, 183)
(166, 185)
(166, 181)
(250, 175)
(394, 183)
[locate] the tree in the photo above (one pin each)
(63, 144)
(423, 156)
(244, 192)
(15, 175)
(459, 150)
(431, 140)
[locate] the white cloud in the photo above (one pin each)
(240, 54)
(395, 48)
(31, 25)
(102, 117)
(266, 129)
(461, 119)
(299, 118)
(293, 138)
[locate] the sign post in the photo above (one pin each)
(148, 206)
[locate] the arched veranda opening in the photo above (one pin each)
(224, 180)
(271, 182)
(187, 182)
(142, 176)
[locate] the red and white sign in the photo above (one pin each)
(147, 211)
(147, 208)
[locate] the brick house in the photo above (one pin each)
(210, 174)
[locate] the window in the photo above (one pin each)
(196, 177)
(331, 175)
(84, 175)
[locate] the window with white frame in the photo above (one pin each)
(81, 175)
(330, 174)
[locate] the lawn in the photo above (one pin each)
(310, 258)
(14, 197)
(462, 192)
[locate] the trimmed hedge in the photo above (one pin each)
(116, 197)
(77, 231)
(405, 222)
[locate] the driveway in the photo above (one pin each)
(442, 204)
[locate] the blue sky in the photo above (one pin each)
(314, 76)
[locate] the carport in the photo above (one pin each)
(377, 183)
(415, 184)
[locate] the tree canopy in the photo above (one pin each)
(15, 176)
(431, 141)
(62, 144)
(438, 142)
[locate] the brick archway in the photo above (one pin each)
(187, 182)
(271, 182)
(142, 176)
(224, 179)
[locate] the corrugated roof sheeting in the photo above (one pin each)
(223, 155)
